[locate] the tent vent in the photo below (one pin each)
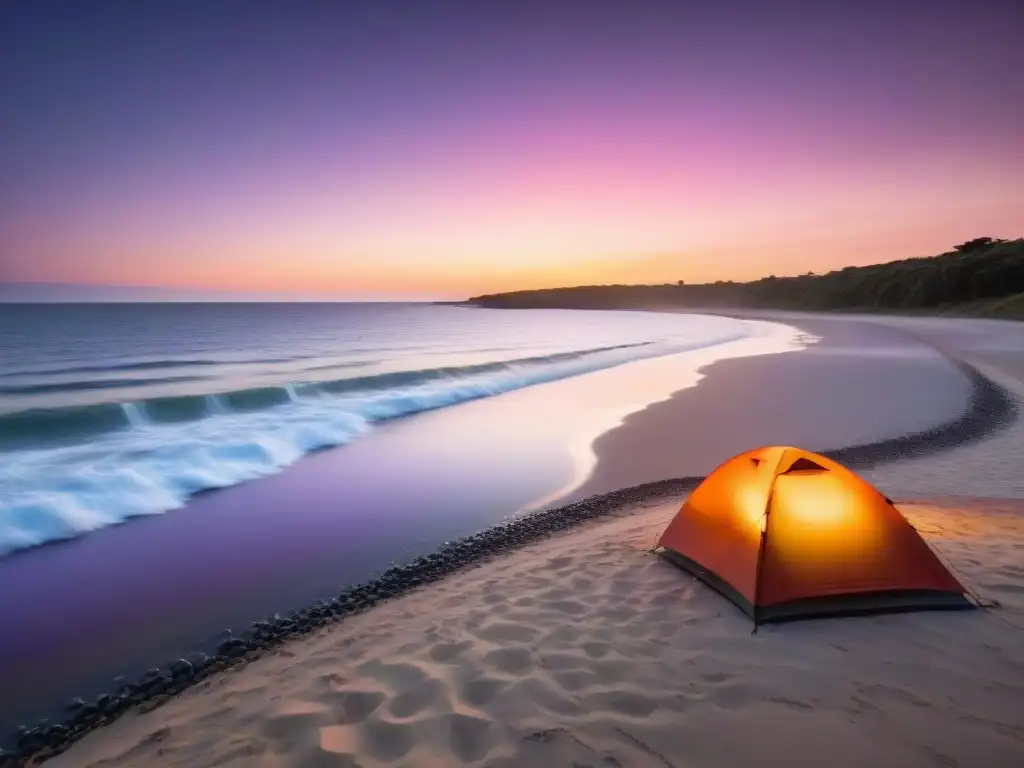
(757, 462)
(803, 464)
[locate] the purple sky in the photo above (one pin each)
(441, 148)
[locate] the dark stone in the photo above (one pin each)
(30, 740)
(199, 661)
(152, 680)
(182, 668)
(231, 648)
(85, 715)
(127, 691)
(75, 705)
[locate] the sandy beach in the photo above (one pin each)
(587, 650)
(572, 645)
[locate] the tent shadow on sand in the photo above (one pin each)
(788, 534)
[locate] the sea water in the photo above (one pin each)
(110, 412)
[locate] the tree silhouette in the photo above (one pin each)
(980, 270)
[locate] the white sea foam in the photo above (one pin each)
(149, 468)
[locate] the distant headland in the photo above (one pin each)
(981, 277)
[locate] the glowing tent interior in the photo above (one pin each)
(788, 534)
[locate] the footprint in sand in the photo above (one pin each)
(511, 661)
(570, 607)
(350, 707)
(564, 634)
(558, 563)
(288, 731)
(386, 741)
(595, 650)
(613, 671)
(400, 676)
(563, 661)
(414, 701)
(737, 695)
(573, 680)
(445, 652)
(471, 738)
(618, 615)
(545, 697)
(556, 593)
(503, 632)
(631, 704)
(494, 598)
(479, 691)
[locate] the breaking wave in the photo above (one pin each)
(70, 470)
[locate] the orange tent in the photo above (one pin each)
(786, 534)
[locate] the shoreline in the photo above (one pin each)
(150, 454)
(717, 418)
(165, 587)
(990, 409)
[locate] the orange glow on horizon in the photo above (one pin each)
(277, 272)
(479, 230)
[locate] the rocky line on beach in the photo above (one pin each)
(990, 408)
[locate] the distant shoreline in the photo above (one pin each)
(980, 278)
(972, 310)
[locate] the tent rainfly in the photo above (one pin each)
(789, 534)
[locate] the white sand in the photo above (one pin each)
(584, 650)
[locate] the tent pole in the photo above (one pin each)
(764, 539)
(763, 544)
(757, 573)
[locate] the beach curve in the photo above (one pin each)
(991, 408)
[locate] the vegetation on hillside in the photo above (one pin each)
(984, 276)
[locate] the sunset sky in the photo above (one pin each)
(440, 149)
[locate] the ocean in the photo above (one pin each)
(114, 411)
